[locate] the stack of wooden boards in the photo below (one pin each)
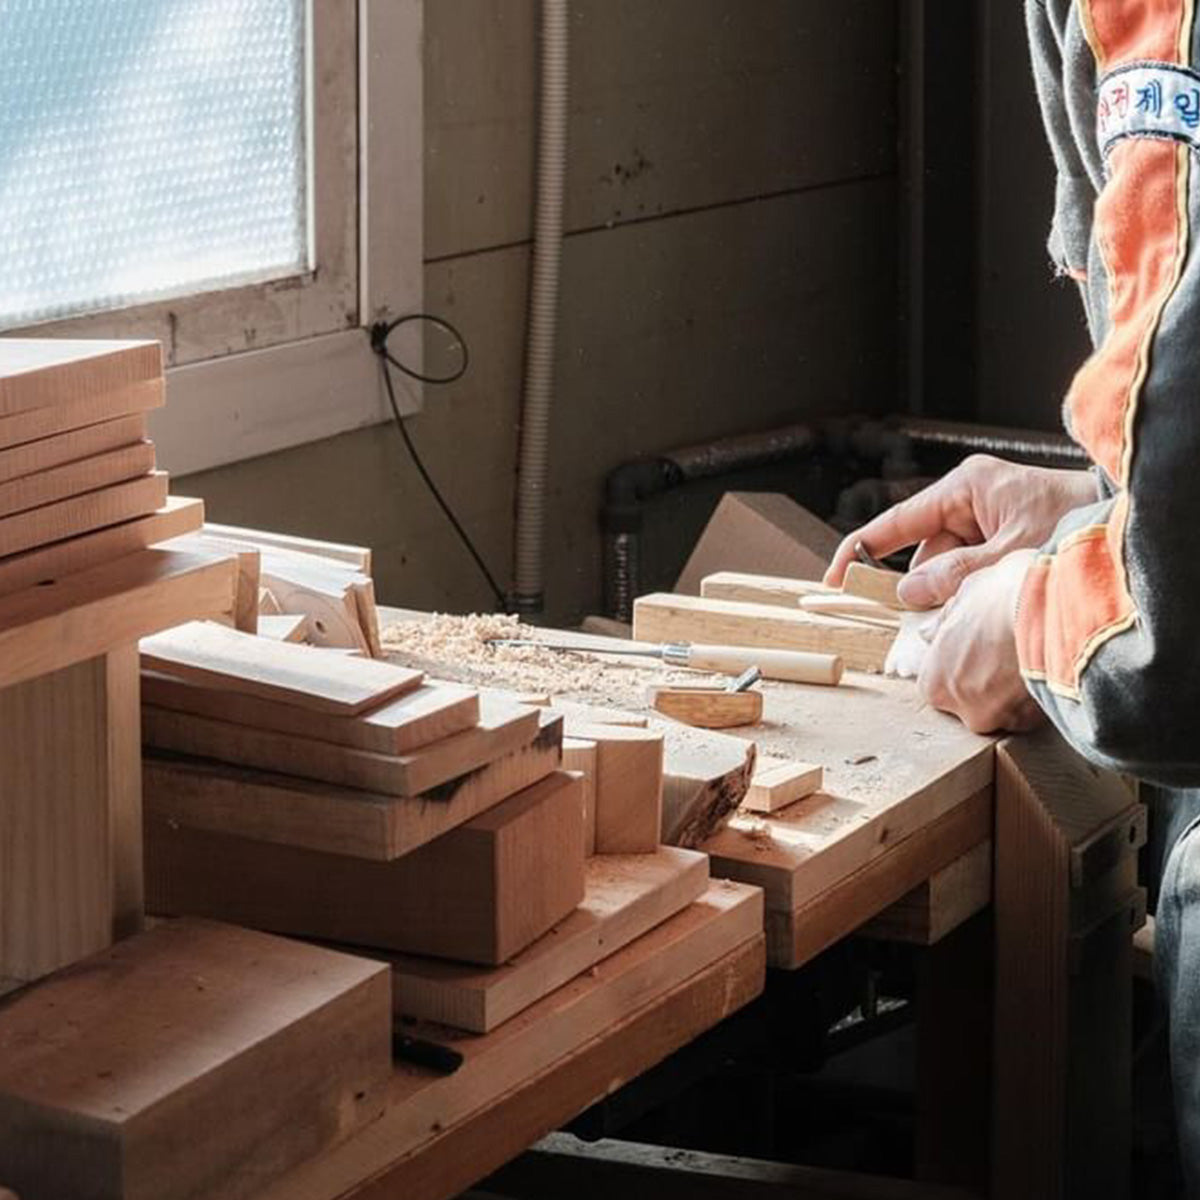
(857, 622)
(356, 802)
(78, 484)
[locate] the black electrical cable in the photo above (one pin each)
(379, 334)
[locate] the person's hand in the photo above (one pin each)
(971, 668)
(972, 517)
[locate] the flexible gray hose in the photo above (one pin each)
(534, 458)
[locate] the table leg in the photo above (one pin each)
(70, 814)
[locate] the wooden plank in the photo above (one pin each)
(193, 1059)
(480, 893)
(561, 1165)
(1063, 1034)
(796, 938)
(946, 900)
(667, 618)
(872, 583)
(852, 608)
(358, 557)
(629, 786)
(45, 372)
(47, 563)
(295, 812)
(245, 612)
(75, 444)
(37, 423)
(91, 612)
(424, 715)
(583, 757)
(759, 531)
(597, 714)
(277, 671)
(442, 1133)
(776, 783)
(82, 514)
(625, 896)
(338, 600)
(283, 627)
(502, 728)
(705, 778)
(70, 815)
(760, 589)
(53, 484)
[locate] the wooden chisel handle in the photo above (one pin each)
(796, 666)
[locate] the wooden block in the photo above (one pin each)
(480, 893)
(558, 1057)
(595, 714)
(37, 423)
(629, 787)
(760, 532)
(501, 729)
(45, 372)
(72, 446)
(761, 589)
(92, 612)
(427, 714)
(70, 815)
(358, 557)
(852, 608)
(709, 707)
(625, 896)
(82, 514)
(777, 782)
(298, 812)
(583, 757)
(283, 627)
(191, 1060)
(338, 600)
(245, 613)
(705, 777)
(665, 618)
(74, 478)
(873, 583)
(276, 671)
(946, 900)
(48, 563)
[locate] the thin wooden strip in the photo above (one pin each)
(358, 557)
(760, 589)
(625, 897)
(48, 563)
(852, 608)
(46, 372)
(40, 423)
(427, 714)
(83, 514)
(266, 807)
(501, 729)
(276, 671)
(71, 446)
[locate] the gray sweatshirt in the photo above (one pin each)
(1108, 623)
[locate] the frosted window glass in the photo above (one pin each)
(148, 148)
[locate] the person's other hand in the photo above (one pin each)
(971, 668)
(972, 517)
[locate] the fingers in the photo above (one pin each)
(936, 582)
(917, 518)
(932, 547)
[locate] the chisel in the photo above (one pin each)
(795, 666)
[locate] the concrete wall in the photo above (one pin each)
(730, 265)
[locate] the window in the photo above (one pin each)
(215, 174)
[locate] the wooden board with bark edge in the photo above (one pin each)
(298, 812)
(440, 1133)
(91, 612)
(667, 618)
(44, 564)
(481, 893)
(626, 896)
(502, 728)
(278, 671)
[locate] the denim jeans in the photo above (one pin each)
(1175, 861)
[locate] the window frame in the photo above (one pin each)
(259, 367)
